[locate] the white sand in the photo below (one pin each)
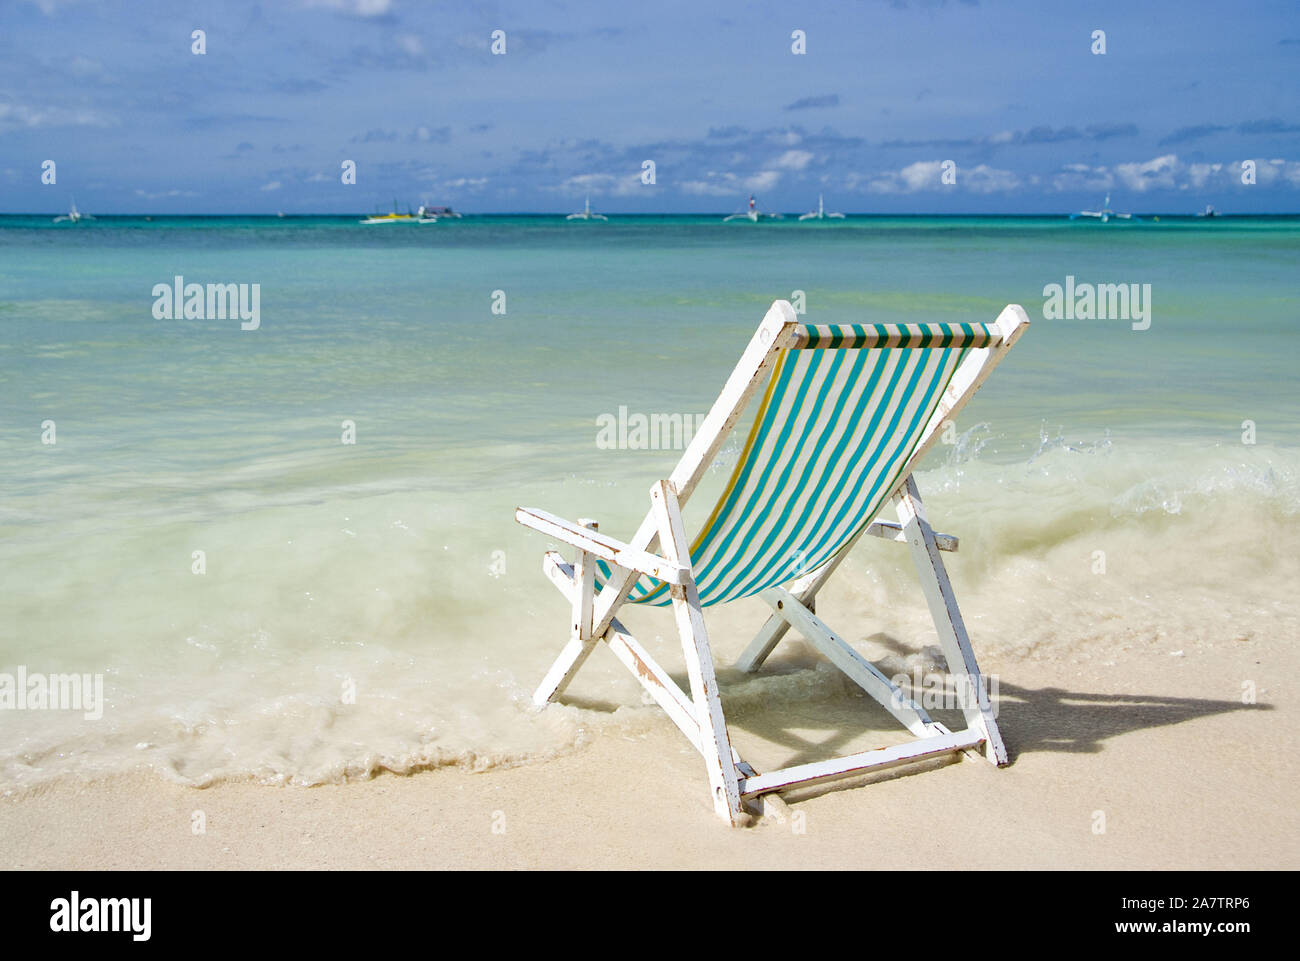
(1186, 775)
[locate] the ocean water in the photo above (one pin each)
(373, 606)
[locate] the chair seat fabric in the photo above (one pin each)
(836, 428)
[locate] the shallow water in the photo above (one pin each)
(373, 605)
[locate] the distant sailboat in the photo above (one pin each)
(1209, 211)
(820, 213)
(1104, 215)
(750, 213)
(586, 213)
(73, 215)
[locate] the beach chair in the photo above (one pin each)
(846, 413)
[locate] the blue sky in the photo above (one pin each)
(712, 93)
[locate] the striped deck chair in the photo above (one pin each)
(846, 413)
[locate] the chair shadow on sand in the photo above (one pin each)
(1057, 719)
(1032, 719)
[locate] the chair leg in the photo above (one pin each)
(715, 742)
(953, 637)
(774, 628)
(571, 659)
(581, 643)
(763, 644)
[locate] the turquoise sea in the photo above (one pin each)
(180, 512)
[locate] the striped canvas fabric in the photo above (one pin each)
(836, 429)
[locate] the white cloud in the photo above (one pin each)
(273, 185)
(607, 185)
(1268, 172)
(22, 115)
(1201, 174)
(920, 175)
(928, 175)
(1157, 174)
(358, 8)
(793, 160)
(988, 180)
(722, 184)
(1083, 177)
(49, 7)
(1167, 172)
(463, 183)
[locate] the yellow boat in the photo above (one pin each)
(423, 216)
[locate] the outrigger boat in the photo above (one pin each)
(820, 213)
(73, 215)
(586, 213)
(1104, 215)
(750, 213)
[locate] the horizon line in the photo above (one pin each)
(276, 214)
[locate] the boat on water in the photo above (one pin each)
(750, 213)
(820, 213)
(73, 216)
(1105, 214)
(586, 213)
(1209, 211)
(424, 215)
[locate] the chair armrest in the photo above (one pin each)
(603, 546)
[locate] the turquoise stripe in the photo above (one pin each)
(754, 517)
(938, 382)
(879, 403)
(803, 490)
(918, 423)
(782, 443)
(864, 401)
(856, 335)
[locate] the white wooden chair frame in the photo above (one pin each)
(699, 715)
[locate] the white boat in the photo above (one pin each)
(73, 215)
(750, 213)
(439, 213)
(586, 213)
(1209, 211)
(1104, 215)
(820, 213)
